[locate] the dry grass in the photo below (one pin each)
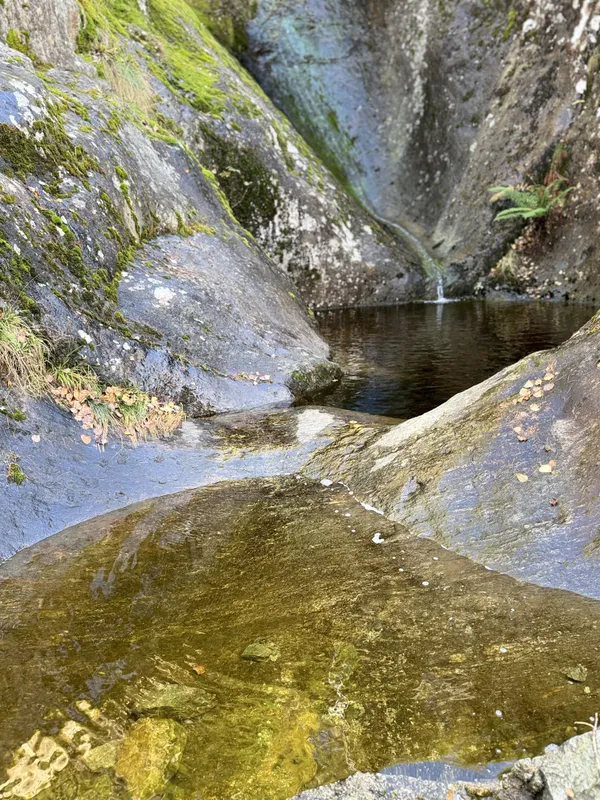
(113, 409)
(130, 84)
(23, 354)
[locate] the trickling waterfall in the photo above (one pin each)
(440, 290)
(430, 265)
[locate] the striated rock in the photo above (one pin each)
(422, 107)
(149, 756)
(504, 473)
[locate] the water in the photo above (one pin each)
(125, 638)
(406, 360)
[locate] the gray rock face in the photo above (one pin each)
(68, 482)
(424, 106)
(569, 771)
(504, 473)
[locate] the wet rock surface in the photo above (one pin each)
(424, 106)
(504, 472)
(138, 619)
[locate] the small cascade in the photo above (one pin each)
(440, 290)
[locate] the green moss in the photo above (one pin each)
(114, 123)
(250, 188)
(15, 474)
(7, 198)
(512, 19)
(16, 415)
(19, 40)
(121, 173)
(190, 227)
(44, 149)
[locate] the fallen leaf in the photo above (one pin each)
(552, 463)
(548, 387)
(523, 438)
(528, 385)
(548, 376)
(199, 669)
(518, 429)
(86, 439)
(545, 468)
(553, 501)
(538, 393)
(35, 438)
(569, 792)
(535, 407)
(521, 478)
(538, 382)
(525, 392)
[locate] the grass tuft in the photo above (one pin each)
(22, 354)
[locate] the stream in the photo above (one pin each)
(249, 640)
(255, 633)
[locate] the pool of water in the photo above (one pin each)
(249, 640)
(406, 360)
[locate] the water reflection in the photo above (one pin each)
(406, 360)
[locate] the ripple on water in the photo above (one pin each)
(252, 640)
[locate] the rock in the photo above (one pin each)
(70, 482)
(261, 652)
(102, 757)
(577, 674)
(422, 107)
(149, 756)
(171, 700)
(144, 271)
(466, 457)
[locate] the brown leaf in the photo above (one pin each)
(553, 501)
(548, 387)
(523, 438)
(86, 439)
(199, 669)
(538, 393)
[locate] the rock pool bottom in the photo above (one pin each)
(248, 640)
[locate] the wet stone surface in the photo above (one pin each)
(131, 634)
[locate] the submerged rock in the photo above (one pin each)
(149, 756)
(171, 700)
(261, 651)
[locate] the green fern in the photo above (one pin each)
(533, 202)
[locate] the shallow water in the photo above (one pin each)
(376, 653)
(405, 360)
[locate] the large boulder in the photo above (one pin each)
(168, 76)
(424, 106)
(504, 473)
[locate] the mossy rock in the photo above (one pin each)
(149, 756)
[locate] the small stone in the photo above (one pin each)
(261, 652)
(578, 674)
(102, 757)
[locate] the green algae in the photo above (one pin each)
(133, 628)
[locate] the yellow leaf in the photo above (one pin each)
(546, 468)
(85, 438)
(521, 478)
(535, 407)
(528, 385)
(548, 387)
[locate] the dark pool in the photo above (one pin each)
(403, 361)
